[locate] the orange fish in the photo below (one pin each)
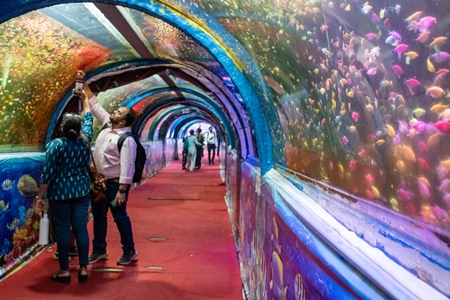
(438, 41)
(436, 92)
(438, 108)
(423, 37)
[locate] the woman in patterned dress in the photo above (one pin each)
(65, 183)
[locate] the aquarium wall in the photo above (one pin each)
(347, 99)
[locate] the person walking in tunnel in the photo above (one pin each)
(118, 168)
(185, 153)
(192, 144)
(211, 144)
(65, 183)
(199, 154)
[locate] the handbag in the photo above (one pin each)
(98, 181)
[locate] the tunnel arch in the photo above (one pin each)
(207, 104)
(106, 77)
(251, 84)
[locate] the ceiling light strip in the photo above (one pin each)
(111, 28)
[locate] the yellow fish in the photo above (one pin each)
(411, 54)
(408, 153)
(352, 128)
(350, 93)
(375, 192)
(390, 130)
(430, 66)
(419, 112)
(446, 164)
(424, 181)
(414, 17)
(348, 8)
(380, 142)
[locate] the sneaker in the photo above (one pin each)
(95, 257)
(56, 256)
(127, 258)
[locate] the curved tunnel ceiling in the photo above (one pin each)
(114, 37)
(333, 91)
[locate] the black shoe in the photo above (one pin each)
(212, 162)
(183, 168)
(95, 257)
(61, 279)
(82, 278)
(127, 258)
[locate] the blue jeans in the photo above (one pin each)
(66, 214)
(120, 215)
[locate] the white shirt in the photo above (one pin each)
(210, 138)
(108, 160)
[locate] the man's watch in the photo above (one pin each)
(122, 191)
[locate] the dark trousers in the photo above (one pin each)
(184, 159)
(198, 159)
(66, 214)
(211, 147)
(120, 215)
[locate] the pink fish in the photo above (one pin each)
(397, 69)
(423, 146)
(345, 140)
(372, 71)
(423, 164)
(355, 116)
(423, 189)
(369, 194)
(425, 23)
(419, 126)
(376, 18)
(403, 195)
(442, 126)
(371, 36)
(395, 35)
(352, 165)
(412, 82)
(403, 127)
(323, 27)
(442, 71)
(369, 179)
(401, 48)
(440, 57)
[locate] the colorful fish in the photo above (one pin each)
(443, 126)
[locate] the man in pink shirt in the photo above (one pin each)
(118, 168)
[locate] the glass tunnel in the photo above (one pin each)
(333, 119)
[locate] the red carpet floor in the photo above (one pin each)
(182, 234)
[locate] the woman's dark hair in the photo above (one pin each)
(71, 125)
(192, 131)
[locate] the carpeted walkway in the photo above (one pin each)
(183, 237)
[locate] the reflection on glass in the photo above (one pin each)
(38, 61)
(362, 94)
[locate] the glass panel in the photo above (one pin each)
(38, 60)
(168, 41)
(362, 94)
